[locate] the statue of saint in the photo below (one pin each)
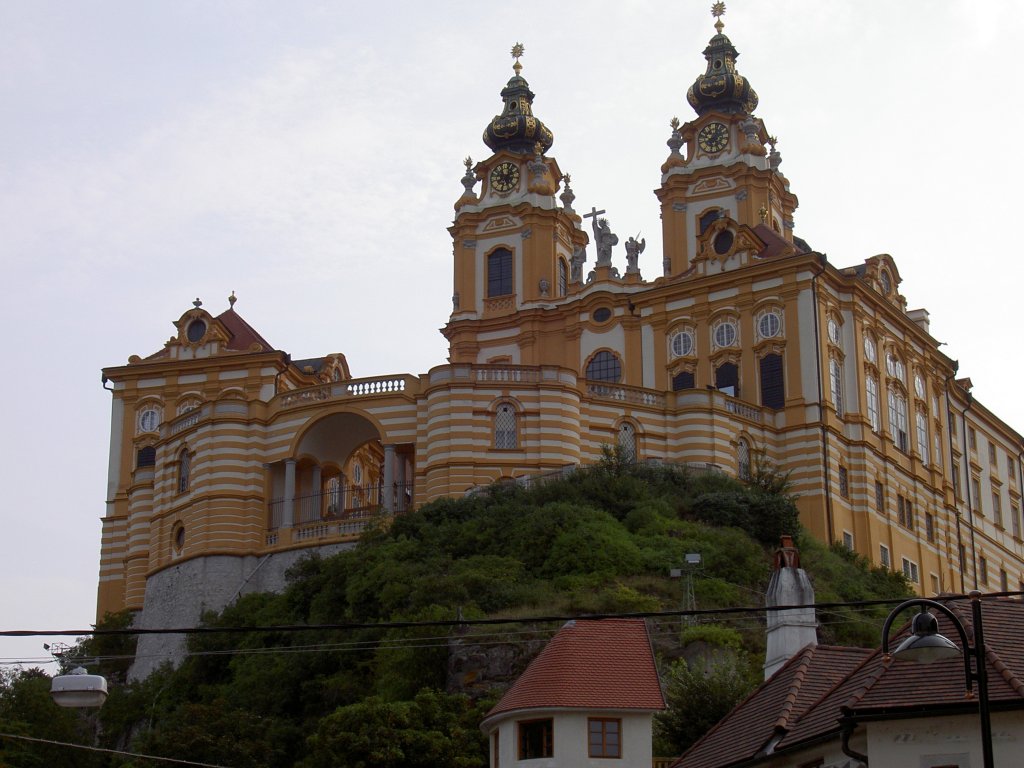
(604, 239)
(634, 248)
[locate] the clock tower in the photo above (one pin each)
(723, 164)
(514, 242)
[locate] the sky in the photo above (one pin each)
(307, 156)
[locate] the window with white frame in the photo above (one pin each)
(848, 540)
(937, 455)
(835, 378)
(505, 433)
(844, 483)
(997, 507)
(871, 390)
(922, 435)
(898, 419)
(869, 348)
(725, 333)
(895, 367)
(1015, 520)
(883, 556)
(910, 570)
(835, 331)
(682, 343)
(769, 324)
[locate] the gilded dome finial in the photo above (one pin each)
(718, 11)
(518, 50)
(232, 299)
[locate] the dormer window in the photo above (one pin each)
(195, 331)
(885, 281)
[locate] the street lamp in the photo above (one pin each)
(79, 689)
(926, 645)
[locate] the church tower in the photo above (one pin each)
(728, 166)
(514, 243)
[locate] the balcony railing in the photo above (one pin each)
(344, 504)
(622, 393)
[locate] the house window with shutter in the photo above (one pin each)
(499, 273)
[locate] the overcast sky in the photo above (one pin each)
(306, 155)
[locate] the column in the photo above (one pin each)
(389, 479)
(400, 486)
(288, 512)
(314, 507)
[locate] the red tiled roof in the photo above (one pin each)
(242, 334)
(784, 707)
(590, 664)
(774, 243)
(773, 708)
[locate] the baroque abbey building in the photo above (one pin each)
(229, 460)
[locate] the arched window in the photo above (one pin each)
(563, 277)
(708, 218)
(773, 394)
(499, 273)
(922, 435)
(743, 459)
(145, 457)
(505, 432)
(835, 380)
(334, 506)
(184, 470)
(604, 366)
(727, 379)
(627, 441)
(682, 380)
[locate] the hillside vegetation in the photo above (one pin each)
(601, 540)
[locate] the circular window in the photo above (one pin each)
(869, 348)
(725, 334)
(886, 282)
(682, 344)
(149, 420)
(769, 325)
(723, 242)
(602, 315)
(833, 331)
(196, 330)
(179, 537)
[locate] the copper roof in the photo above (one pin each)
(590, 664)
(242, 334)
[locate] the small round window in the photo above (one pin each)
(179, 537)
(769, 325)
(196, 330)
(682, 344)
(723, 242)
(725, 334)
(602, 315)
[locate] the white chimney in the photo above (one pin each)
(788, 631)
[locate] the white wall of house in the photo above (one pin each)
(570, 739)
(945, 741)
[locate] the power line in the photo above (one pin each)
(451, 623)
(110, 751)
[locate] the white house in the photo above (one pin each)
(587, 700)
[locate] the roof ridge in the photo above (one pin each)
(806, 654)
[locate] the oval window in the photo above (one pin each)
(196, 330)
(769, 325)
(725, 334)
(723, 242)
(602, 315)
(682, 344)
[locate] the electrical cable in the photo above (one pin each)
(110, 751)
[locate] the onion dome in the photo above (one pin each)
(721, 88)
(516, 129)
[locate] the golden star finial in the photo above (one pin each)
(718, 10)
(674, 123)
(518, 50)
(468, 162)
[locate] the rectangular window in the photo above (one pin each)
(848, 540)
(910, 570)
(938, 449)
(1010, 474)
(963, 557)
(536, 739)
(844, 483)
(905, 512)
(983, 571)
(604, 737)
(952, 424)
(835, 377)
(955, 472)
(1015, 520)
(871, 389)
(773, 393)
(992, 455)
(936, 587)
(976, 495)
(997, 509)
(1004, 581)
(972, 438)
(496, 749)
(880, 497)
(898, 419)
(929, 526)
(883, 556)
(922, 436)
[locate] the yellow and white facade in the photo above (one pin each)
(229, 459)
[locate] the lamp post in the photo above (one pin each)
(926, 645)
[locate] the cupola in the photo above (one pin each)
(516, 129)
(721, 88)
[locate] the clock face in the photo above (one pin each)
(505, 177)
(149, 420)
(713, 138)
